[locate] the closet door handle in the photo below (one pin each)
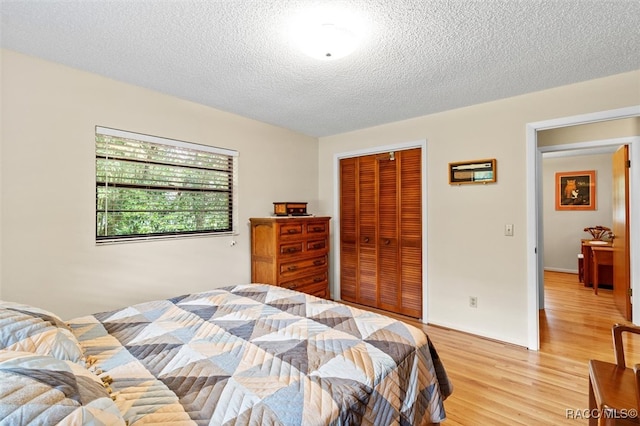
(366, 239)
(387, 242)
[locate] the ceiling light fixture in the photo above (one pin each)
(327, 31)
(328, 41)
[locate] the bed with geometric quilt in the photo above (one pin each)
(249, 354)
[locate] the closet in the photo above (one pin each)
(381, 231)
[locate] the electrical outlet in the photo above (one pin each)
(473, 301)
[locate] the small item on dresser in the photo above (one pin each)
(289, 209)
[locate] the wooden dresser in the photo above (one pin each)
(604, 263)
(291, 252)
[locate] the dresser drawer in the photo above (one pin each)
(315, 245)
(318, 289)
(291, 248)
(296, 266)
(319, 278)
(315, 228)
(290, 229)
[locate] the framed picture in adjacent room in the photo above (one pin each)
(576, 190)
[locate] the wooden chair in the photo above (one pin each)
(614, 389)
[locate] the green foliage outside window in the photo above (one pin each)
(150, 189)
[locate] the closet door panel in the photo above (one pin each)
(388, 275)
(411, 232)
(388, 261)
(348, 229)
(367, 235)
(411, 280)
(411, 194)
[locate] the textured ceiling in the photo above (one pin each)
(416, 57)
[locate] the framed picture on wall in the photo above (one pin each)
(576, 190)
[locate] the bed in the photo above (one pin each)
(249, 354)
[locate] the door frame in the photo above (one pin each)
(534, 210)
(335, 241)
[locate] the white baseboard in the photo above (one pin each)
(567, 271)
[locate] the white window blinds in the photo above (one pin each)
(148, 186)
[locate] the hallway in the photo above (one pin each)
(576, 323)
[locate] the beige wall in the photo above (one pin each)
(49, 257)
(468, 254)
(48, 254)
(611, 129)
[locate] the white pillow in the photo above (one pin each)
(31, 329)
(36, 387)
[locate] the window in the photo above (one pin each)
(148, 186)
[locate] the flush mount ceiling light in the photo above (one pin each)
(326, 33)
(328, 41)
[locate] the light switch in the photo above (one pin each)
(508, 230)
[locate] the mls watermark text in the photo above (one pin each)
(585, 413)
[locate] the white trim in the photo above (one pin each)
(335, 249)
(598, 146)
(533, 181)
(584, 148)
(613, 114)
(163, 141)
(563, 270)
(534, 219)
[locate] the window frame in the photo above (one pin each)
(141, 137)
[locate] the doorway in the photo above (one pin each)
(569, 304)
(535, 247)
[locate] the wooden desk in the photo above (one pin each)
(605, 272)
(600, 256)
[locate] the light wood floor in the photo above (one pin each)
(500, 384)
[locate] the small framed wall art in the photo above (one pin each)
(477, 171)
(576, 190)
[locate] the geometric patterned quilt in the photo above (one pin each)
(258, 354)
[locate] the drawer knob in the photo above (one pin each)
(291, 250)
(292, 231)
(318, 262)
(318, 229)
(317, 279)
(317, 246)
(292, 268)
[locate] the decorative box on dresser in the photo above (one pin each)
(291, 252)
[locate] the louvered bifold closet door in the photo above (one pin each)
(381, 231)
(410, 198)
(348, 229)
